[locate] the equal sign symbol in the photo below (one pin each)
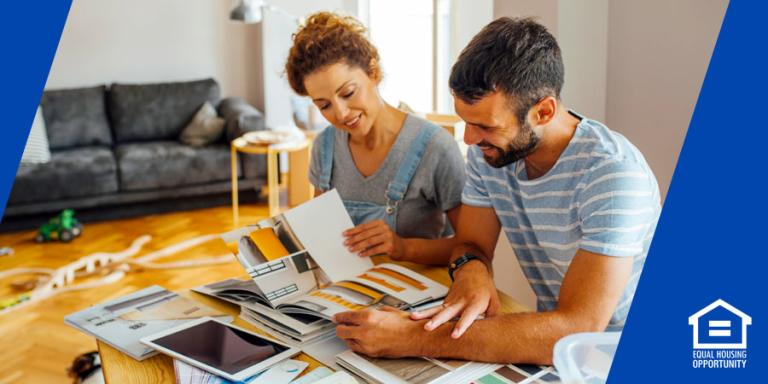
(720, 328)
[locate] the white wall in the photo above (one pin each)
(658, 53)
(139, 41)
(469, 17)
(153, 41)
(583, 38)
(545, 11)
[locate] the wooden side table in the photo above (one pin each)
(299, 188)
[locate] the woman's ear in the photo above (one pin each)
(374, 71)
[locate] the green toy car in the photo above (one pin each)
(65, 226)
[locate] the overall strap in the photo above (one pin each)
(327, 139)
(399, 185)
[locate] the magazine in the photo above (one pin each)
(300, 268)
(123, 321)
(188, 374)
(414, 370)
(294, 330)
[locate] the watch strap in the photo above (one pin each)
(458, 263)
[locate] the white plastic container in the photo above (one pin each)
(585, 358)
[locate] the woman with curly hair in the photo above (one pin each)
(400, 177)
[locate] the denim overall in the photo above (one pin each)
(364, 211)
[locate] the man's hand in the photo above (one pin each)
(472, 294)
(374, 238)
(384, 332)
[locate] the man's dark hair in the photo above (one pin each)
(517, 57)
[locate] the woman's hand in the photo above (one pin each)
(374, 238)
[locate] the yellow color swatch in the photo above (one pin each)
(268, 243)
(399, 276)
(382, 282)
(360, 289)
(337, 300)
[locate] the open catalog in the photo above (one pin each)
(123, 321)
(416, 370)
(301, 274)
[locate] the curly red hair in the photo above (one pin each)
(327, 38)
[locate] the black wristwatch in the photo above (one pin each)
(456, 264)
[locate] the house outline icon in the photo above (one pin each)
(745, 321)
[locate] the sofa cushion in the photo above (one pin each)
(205, 128)
(76, 117)
(148, 112)
(37, 149)
(71, 173)
(169, 164)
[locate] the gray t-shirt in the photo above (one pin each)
(435, 188)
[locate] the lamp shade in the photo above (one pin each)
(247, 11)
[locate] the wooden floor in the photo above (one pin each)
(37, 346)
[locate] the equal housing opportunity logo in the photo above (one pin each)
(719, 336)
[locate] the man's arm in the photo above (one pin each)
(589, 295)
(473, 292)
(477, 231)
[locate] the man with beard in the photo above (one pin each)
(577, 202)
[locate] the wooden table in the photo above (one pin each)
(121, 368)
(299, 188)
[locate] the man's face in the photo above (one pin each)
(491, 125)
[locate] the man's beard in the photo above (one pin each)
(520, 147)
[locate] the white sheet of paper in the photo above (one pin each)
(319, 224)
(325, 351)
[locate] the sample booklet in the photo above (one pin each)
(413, 370)
(300, 268)
(123, 321)
(187, 374)
(527, 374)
(295, 330)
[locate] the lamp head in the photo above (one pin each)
(247, 11)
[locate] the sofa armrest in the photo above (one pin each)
(241, 117)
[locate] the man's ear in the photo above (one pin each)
(544, 111)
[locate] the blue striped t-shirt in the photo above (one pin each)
(600, 196)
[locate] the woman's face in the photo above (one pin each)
(346, 97)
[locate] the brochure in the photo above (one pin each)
(123, 321)
(414, 370)
(295, 329)
(300, 268)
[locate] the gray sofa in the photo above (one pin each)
(115, 153)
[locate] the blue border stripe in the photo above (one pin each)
(30, 32)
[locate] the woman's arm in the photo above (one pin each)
(376, 238)
(432, 251)
(448, 179)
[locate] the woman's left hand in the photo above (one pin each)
(374, 238)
